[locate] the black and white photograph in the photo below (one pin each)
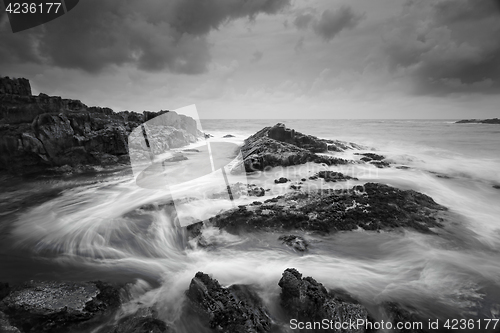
(253, 166)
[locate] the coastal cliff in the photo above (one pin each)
(41, 132)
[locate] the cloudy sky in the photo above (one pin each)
(269, 58)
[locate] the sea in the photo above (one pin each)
(90, 226)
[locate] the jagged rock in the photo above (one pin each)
(374, 159)
(297, 242)
(331, 176)
(396, 313)
(239, 189)
(371, 207)
(306, 300)
(281, 180)
(260, 151)
(234, 309)
(479, 121)
(144, 321)
(5, 325)
(15, 86)
(58, 306)
(41, 132)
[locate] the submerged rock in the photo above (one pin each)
(396, 313)
(59, 306)
(297, 242)
(306, 300)
(144, 321)
(371, 206)
(233, 309)
(479, 121)
(332, 176)
(375, 159)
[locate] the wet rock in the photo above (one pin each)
(228, 136)
(307, 300)
(277, 146)
(375, 159)
(144, 321)
(396, 313)
(59, 306)
(5, 325)
(175, 158)
(234, 309)
(42, 132)
(239, 189)
(297, 242)
(371, 206)
(281, 180)
(479, 121)
(332, 176)
(496, 187)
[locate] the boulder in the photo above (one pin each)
(233, 309)
(371, 206)
(307, 300)
(294, 241)
(59, 306)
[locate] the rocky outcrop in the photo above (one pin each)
(306, 300)
(15, 86)
(280, 146)
(233, 309)
(479, 121)
(58, 306)
(40, 132)
(374, 159)
(331, 176)
(294, 241)
(371, 207)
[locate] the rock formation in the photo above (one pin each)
(370, 207)
(57, 306)
(39, 132)
(234, 309)
(280, 146)
(479, 121)
(306, 300)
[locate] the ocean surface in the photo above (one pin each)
(88, 227)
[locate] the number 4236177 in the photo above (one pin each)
(32, 8)
(461, 324)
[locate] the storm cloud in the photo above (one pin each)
(448, 46)
(151, 35)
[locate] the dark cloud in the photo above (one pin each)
(333, 22)
(152, 35)
(447, 46)
(257, 56)
(302, 20)
(329, 23)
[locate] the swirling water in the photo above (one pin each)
(88, 227)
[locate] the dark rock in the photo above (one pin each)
(256, 203)
(261, 151)
(333, 176)
(380, 164)
(4, 290)
(496, 186)
(307, 300)
(297, 242)
(228, 136)
(6, 326)
(396, 313)
(282, 180)
(233, 309)
(43, 132)
(208, 136)
(371, 207)
(191, 150)
(239, 189)
(59, 306)
(303, 179)
(10, 86)
(371, 156)
(144, 321)
(479, 121)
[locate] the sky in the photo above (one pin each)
(278, 59)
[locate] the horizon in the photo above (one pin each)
(272, 59)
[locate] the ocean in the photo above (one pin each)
(87, 227)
